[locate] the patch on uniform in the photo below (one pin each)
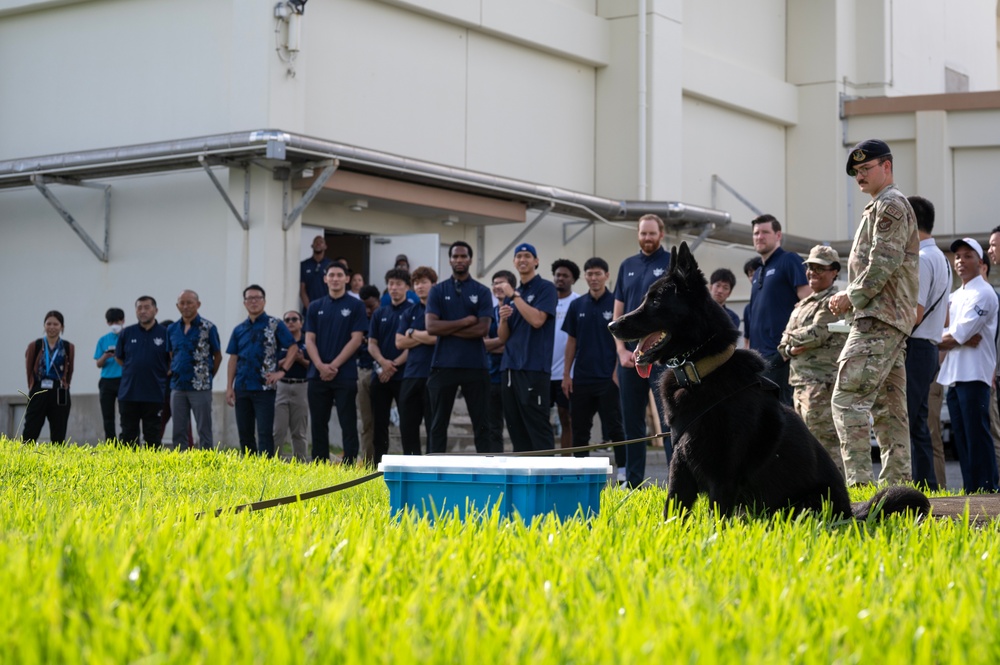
(884, 224)
(893, 212)
(979, 310)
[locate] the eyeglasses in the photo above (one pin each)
(863, 170)
(292, 319)
(253, 298)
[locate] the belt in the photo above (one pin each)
(293, 380)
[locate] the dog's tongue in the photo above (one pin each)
(643, 370)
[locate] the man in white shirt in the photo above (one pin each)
(564, 276)
(968, 367)
(922, 345)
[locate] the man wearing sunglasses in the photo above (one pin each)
(880, 303)
(291, 406)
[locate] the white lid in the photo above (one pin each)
(515, 466)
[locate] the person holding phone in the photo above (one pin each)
(49, 366)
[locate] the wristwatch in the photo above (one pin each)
(517, 294)
(409, 332)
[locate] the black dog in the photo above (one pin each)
(732, 438)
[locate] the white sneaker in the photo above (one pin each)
(621, 477)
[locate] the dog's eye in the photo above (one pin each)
(655, 302)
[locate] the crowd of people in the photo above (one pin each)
(524, 343)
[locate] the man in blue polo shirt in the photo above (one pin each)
(195, 357)
(335, 326)
(635, 275)
(142, 353)
(494, 350)
(389, 360)
(312, 273)
(590, 351)
(777, 285)
(527, 329)
(111, 372)
(412, 335)
(253, 372)
(458, 314)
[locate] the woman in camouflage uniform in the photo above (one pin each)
(813, 350)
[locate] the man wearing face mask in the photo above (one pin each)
(111, 372)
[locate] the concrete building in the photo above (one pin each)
(202, 143)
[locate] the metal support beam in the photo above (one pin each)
(520, 236)
(243, 219)
(707, 231)
(40, 184)
(739, 197)
(587, 223)
(329, 167)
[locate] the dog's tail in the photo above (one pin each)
(893, 500)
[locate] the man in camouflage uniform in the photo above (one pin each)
(812, 349)
(880, 303)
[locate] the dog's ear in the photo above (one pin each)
(686, 267)
(673, 258)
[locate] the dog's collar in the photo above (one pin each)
(691, 373)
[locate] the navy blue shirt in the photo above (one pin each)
(528, 348)
(383, 327)
(146, 362)
(193, 354)
(452, 300)
(773, 295)
(333, 322)
(733, 316)
(298, 370)
(418, 363)
(495, 358)
(311, 273)
(636, 274)
(257, 345)
(587, 321)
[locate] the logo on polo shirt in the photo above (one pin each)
(607, 315)
(657, 272)
(631, 274)
(473, 299)
(158, 341)
(583, 315)
(345, 312)
(319, 313)
(447, 297)
(530, 298)
(770, 272)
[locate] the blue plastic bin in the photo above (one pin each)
(527, 486)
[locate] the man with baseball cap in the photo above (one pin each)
(967, 370)
(527, 330)
(880, 303)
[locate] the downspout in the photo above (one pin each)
(641, 133)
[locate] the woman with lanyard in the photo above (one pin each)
(49, 365)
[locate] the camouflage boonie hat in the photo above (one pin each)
(823, 255)
(866, 151)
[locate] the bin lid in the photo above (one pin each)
(515, 466)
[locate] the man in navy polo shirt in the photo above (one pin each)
(335, 327)
(389, 360)
(253, 372)
(412, 335)
(777, 285)
(494, 349)
(635, 275)
(195, 357)
(312, 272)
(142, 353)
(591, 352)
(458, 314)
(527, 329)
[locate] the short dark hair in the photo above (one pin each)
(924, 210)
(764, 219)
(996, 229)
(397, 273)
(507, 275)
(751, 266)
(459, 243)
(149, 298)
(369, 291)
(114, 314)
(335, 264)
(424, 272)
(55, 314)
(596, 262)
(568, 265)
(723, 275)
(254, 287)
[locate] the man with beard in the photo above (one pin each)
(635, 275)
(564, 276)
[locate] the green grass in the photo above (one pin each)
(104, 561)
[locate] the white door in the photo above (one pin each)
(421, 249)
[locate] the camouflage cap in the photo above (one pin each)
(866, 151)
(823, 255)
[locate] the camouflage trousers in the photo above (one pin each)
(871, 379)
(812, 402)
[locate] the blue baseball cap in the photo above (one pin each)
(526, 247)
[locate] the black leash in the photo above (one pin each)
(305, 496)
